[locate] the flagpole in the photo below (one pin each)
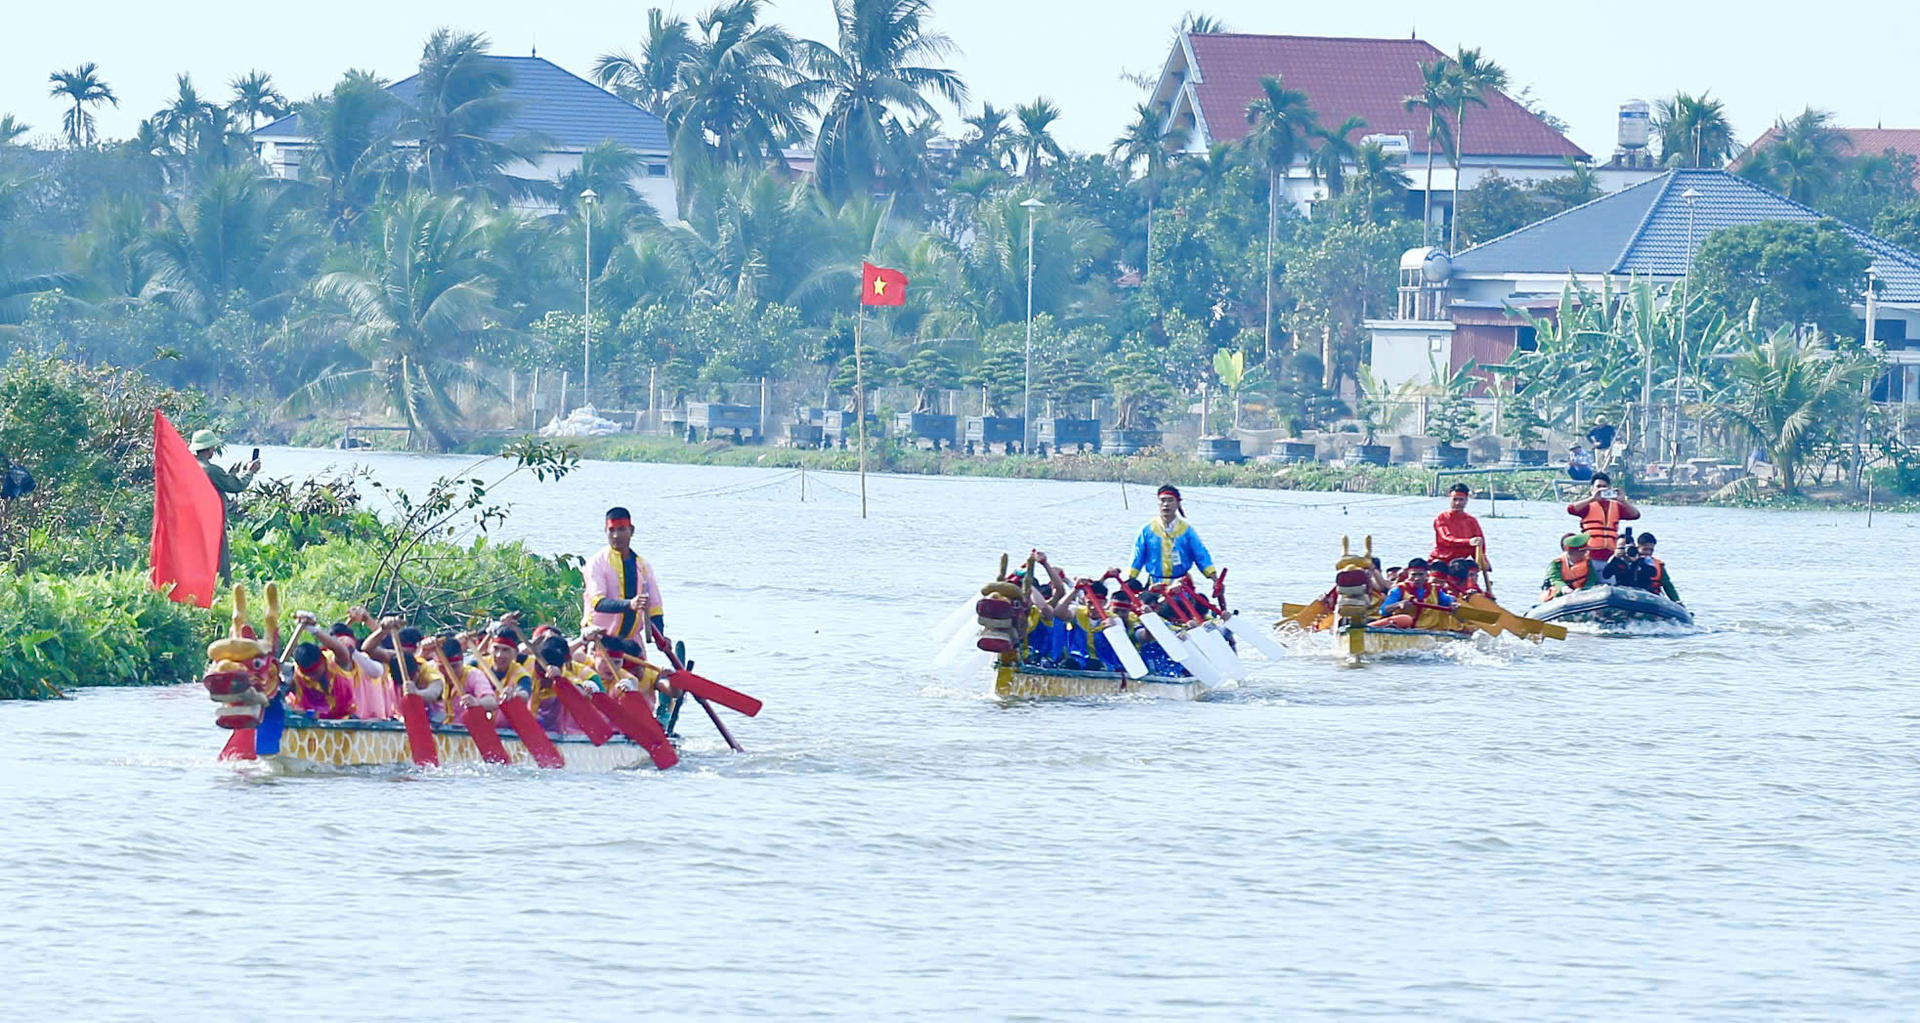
(860, 401)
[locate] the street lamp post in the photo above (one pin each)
(1032, 206)
(1680, 359)
(586, 349)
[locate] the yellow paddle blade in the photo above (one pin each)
(1474, 614)
(1550, 629)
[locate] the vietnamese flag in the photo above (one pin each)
(881, 286)
(188, 519)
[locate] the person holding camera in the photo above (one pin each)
(1600, 514)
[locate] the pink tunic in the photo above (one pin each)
(606, 576)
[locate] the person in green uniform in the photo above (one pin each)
(205, 445)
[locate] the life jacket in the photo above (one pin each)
(1601, 523)
(1659, 575)
(1573, 577)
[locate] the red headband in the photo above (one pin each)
(503, 641)
(616, 523)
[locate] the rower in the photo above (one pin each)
(1570, 571)
(1457, 534)
(622, 595)
(322, 688)
(1601, 512)
(1168, 547)
(503, 665)
(1401, 607)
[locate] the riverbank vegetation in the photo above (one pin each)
(76, 606)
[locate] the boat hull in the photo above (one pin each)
(1029, 683)
(1611, 605)
(319, 745)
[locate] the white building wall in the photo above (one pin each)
(1405, 351)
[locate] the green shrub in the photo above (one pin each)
(108, 628)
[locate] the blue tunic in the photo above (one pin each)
(1168, 553)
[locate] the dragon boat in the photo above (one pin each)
(245, 680)
(1165, 642)
(1347, 609)
(1611, 605)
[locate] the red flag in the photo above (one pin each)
(188, 519)
(881, 286)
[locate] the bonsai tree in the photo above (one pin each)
(1520, 421)
(877, 374)
(1002, 374)
(1382, 408)
(1069, 383)
(929, 372)
(1452, 416)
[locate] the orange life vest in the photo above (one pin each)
(1659, 574)
(1568, 575)
(1601, 523)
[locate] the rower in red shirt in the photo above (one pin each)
(1456, 534)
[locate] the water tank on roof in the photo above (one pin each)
(1636, 124)
(1392, 145)
(1433, 263)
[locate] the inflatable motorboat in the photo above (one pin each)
(1611, 605)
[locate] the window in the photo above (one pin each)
(656, 170)
(1526, 339)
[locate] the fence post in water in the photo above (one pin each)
(561, 408)
(533, 400)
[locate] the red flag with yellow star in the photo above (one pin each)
(881, 286)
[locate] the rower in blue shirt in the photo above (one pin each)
(1168, 547)
(1402, 606)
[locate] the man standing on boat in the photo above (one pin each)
(622, 595)
(1457, 534)
(1601, 514)
(1168, 548)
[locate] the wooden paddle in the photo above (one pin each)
(633, 720)
(532, 736)
(413, 713)
(581, 709)
(666, 647)
(486, 737)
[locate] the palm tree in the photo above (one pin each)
(1693, 131)
(351, 160)
(180, 120)
(1804, 159)
(739, 97)
(11, 129)
(1376, 174)
(459, 107)
(1281, 120)
(648, 81)
(1033, 136)
(1336, 150)
(255, 97)
(991, 145)
(84, 87)
(1781, 392)
(881, 70)
(1476, 77)
(1439, 91)
(231, 241)
(1148, 140)
(412, 310)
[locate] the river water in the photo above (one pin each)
(1723, 824)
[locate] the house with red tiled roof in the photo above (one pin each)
(1860, 141)
(1210, 78)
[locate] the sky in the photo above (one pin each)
(1764, 59)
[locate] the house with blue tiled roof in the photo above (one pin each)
(547, 101)
(1455, 310)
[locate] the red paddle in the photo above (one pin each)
(631, 717)
(527, 727)
(660, 640)
(485, 736)
(413, 711)
(581, 710)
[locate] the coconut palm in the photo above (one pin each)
(1336, 150)
(1377, 176)
(647, 81)
(990, 147)
(1033, 136)
(1804, 159)
(84, 87)
(739, 97)
(1693, 131)
(881, 69)
(1149, 141)
(255, 97)
(460, 107)
(233, 241)
(1439, 92)
(1781, 392)
(411, 312)
(1476, 76)
(352, 160)
(1281, 122)
(11, 130)
(179, 122)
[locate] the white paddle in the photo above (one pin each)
(1190, 657)
(1260, 640)
(944, 630)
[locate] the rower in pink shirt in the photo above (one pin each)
(622, 595)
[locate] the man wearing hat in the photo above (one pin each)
(622, 595)
(204, 445)
(1572, 570)
(1168, 547)
(1457, 534)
